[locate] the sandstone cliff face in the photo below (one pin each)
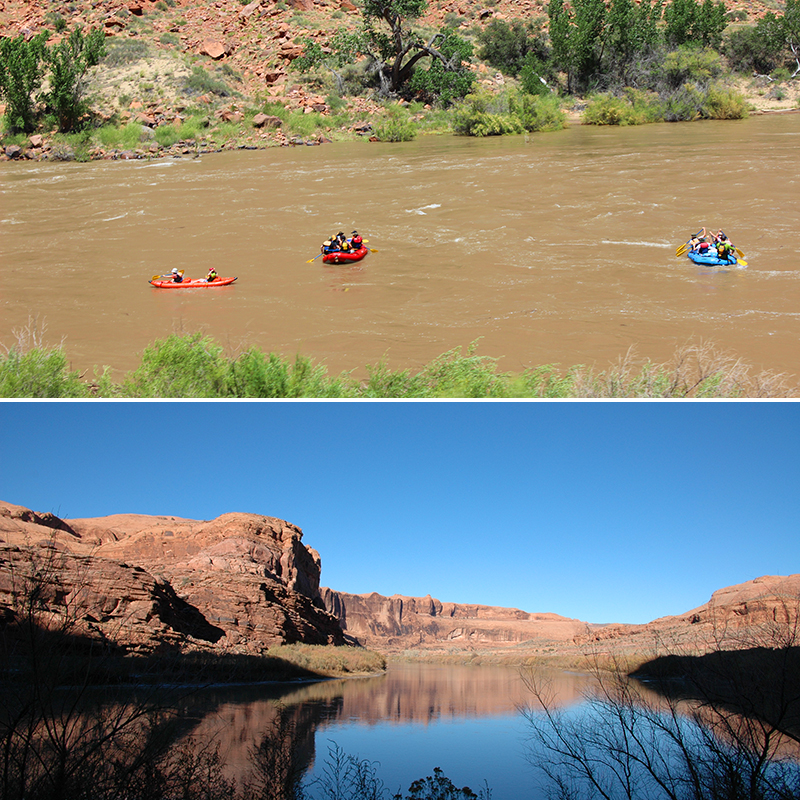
(399, 622)
(749, 614)
(241, 582)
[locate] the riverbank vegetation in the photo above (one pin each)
(389, 74)
(195, 366)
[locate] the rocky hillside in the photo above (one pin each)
(243, 50)
(237, 584)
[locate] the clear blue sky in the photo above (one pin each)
(599, 511)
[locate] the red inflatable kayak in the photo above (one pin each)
(188, 283)
(340, 257)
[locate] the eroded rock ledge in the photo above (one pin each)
(240, 583)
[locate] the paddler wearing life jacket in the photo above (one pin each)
(212, 275)
(723, 244)
(176, 276)
(355, 240)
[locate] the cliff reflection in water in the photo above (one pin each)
(411, 695)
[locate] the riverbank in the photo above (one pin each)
(194, 365)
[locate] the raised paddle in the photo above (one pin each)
(156, 277)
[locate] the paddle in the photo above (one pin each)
(685, 246)
(739, 252)
(313, 259)
(156, 277)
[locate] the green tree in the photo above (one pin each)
(69, 61)
(396, 49)
(507, 46)
(577, 36)
(686, 21)
(21, 74)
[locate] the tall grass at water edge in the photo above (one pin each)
(194, 366)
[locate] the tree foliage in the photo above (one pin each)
(397, 49)
(21, 74)
(24, 65)
(69, 61)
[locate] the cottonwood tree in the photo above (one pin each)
(21, 75)
(397, 51)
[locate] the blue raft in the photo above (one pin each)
(712, 259)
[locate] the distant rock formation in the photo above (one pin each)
(240, 583)
(400, 623)
(740, 616)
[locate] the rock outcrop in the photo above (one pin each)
(400, 623)
(749, 614)
(239, 583)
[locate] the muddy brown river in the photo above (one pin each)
(551, 248)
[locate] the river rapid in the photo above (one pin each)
(553, 248)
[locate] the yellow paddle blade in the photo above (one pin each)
(372, 250)
(739, 252)
(681, 250)
(741, 262)
(154, 278)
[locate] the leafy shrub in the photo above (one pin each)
(395, 125)
(201, 82)
(634, 108)
(533, 76)
(539, 113)
(691, 64)
(485, 114)
(39, 372)
(179, 366)
(724, 103)
(691, 101)
(258, 374)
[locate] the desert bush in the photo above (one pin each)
(538, 112)
(485, 114)
(202, 82)
(179, 366)
(120, 52)
(632, 108)
(394, 125)
(39, 372)
(691, 64)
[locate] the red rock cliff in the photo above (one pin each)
(241, 582)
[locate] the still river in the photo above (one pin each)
(550, 248)
(416, 717)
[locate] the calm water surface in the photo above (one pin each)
(464, 720)
(553, 248)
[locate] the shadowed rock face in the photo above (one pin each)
(239, 583)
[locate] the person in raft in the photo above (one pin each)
(355, 240)
(176, 276)
(698, 243)
(723, 245)
(212, 275)
(331, 245)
